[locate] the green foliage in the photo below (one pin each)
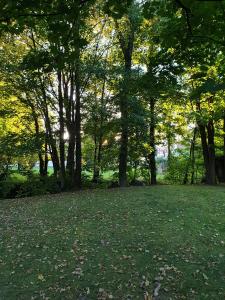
(62, 58)
(176, 169)
(117, 8)
(17, 187)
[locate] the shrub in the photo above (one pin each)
(8, 189)
(33, 186)
(176, 169)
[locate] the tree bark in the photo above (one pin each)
(169, 148)
(52, 144)
(212, 156)
(70, 123)
(61, 134)
(46, 157)
(78, 150)
(193, 155)
(95, 168)
(208, 147)
(51, 139)
(78, 169)
(202, 131)
(124, 139)
(98, 150)
(127, 49)
(152, 162)
(190, 160)
(38, 142)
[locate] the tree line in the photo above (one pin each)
(104, 83)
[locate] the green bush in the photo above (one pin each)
(17, 177)
(33, 186)
(176, 169)
(8, 189)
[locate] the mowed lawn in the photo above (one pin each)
(112, 244)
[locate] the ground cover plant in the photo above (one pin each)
(113, 244)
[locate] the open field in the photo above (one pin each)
(112, 244)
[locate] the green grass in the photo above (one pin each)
(66, 245)
(107, 175)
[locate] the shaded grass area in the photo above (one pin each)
(111, 244)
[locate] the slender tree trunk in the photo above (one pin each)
(49, 134)
(152, 161)
(211, 151)
(169, 148)
(51, 140)
(61, 134)
(38, 143)
(78, 150)
(124, 103)
(190, 160)
(202, 131)
(52, 144)
(97, 160)
(37, 138)
(193, 155)
(124, 130)
(70, 154)
(46, 157)
(70, 123)
(95, 168)
(78, 146)
(208, 148)
(98, 153)
(126, 45)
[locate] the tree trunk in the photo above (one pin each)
(98, 151)
(123, 143)
(202, 131)
(37, 139)
(37, 132)
(208, 148)
(51, 140)
(61, 134)
(70, 123)
(78, 169)
(190, 160)
(99, 154)
(212, 156)
(169, 148)
(152, 162)
(70, 166)
(193, 155)
(52, 144)
(124, 103)
(48, 127)
(78, 152)
(46, 157)
(95, 168)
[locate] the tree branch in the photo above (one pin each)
(187, 12)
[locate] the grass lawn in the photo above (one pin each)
(112, 244)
